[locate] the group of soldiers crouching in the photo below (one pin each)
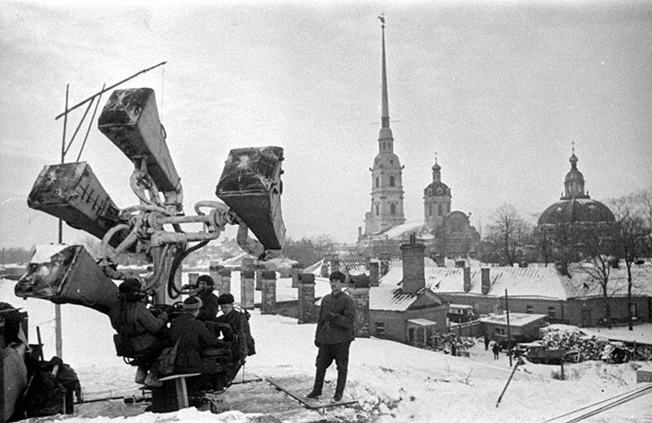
(214, 345)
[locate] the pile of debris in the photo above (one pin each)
(578, 345)
(451, 343)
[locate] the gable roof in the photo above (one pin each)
(527, 282)
(391, 298)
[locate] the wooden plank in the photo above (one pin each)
(299, 386)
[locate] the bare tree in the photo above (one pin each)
(597, 247)
(509, 232)
(632, 235)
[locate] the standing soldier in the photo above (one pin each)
(335, 331)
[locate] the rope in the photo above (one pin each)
(609, 403)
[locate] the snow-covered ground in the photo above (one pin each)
(392, 382)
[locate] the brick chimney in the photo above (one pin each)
(486, 280)
(467, 279)
(374, 273)
(413, 266)
(359, 291)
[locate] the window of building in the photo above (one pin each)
(632, 309)
(392, 209)
(430, 210)
(380, 329)
(391, 181)
(439, 212)
(500, 331)
(377, 210)
(377, 181)
(529, 309)
(448, 208)
(552, 313)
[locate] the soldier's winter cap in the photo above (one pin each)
(207, 279)
(225, 299)
(130, 285)
(192, 303)
(337, 276)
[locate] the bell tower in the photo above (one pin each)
(387, 172)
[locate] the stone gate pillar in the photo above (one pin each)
(268, 303)
(307, 309)
(225, 281)
(247, 289)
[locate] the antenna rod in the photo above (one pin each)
(107, 89)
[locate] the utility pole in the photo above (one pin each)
(57, 307)
(509, 334)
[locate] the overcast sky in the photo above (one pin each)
(497, 91)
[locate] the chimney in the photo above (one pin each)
(413, 267)
(307, 309)
(359, 291)
(486, 280)
(374, 273)
(467, 279)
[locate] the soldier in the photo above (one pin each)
(335, 331)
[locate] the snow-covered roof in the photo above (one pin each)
(543, 282)
(351, 265)
(388, 298)
(422, 322)
(515, 319)
(403, 231)
(583, 284)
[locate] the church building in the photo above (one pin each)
(444, 232)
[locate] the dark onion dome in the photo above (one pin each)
(576, 210)
(436, 188)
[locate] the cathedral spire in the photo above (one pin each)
(385, 99)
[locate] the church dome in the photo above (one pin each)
(436, 189)
(575, 205)
(576, 210)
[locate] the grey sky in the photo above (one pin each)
(498, 90)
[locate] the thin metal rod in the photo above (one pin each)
(57, 307)
(78, 127)
(90, 124)
(68, 110)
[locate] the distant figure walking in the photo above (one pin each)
(496, 350)
(486, 343)
(335, 331)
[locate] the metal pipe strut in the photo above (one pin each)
(68, 110)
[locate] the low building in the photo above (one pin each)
(518, 327)
(572, 297)
(407, 311)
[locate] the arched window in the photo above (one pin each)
(430, 210)
(392, 209)
(377, 209)
(439, 209)
(391, 181)
(448, 208)
(377, 182)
